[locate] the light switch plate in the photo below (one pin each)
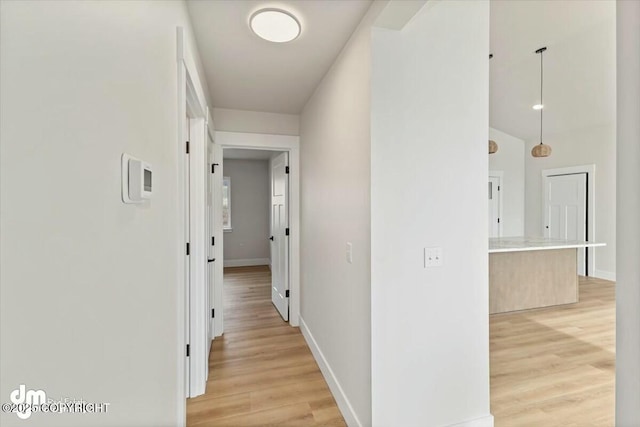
(349, 253)
(432, 257)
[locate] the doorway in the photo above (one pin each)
(252, 143)
(255, 212)
(193, 297)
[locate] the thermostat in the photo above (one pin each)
(137, 180)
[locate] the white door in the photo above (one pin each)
(279, 234)
(565, 210)
(494, 206)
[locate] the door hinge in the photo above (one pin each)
(498, 188)
(286, 231)
(213, 167)
(187, 144)
(286, 293)
(187, 350)
(213, 313)
(498, 220)
(213, 241)
(188, 249)
(286, 169)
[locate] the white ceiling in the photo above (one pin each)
(247, 154)
(247, 73)
(579, 65)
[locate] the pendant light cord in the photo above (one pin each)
(540, 51)
(541, 85)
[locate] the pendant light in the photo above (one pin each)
(493, 147)
(541, 150)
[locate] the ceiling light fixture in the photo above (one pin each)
(541, 150)
(493, 146)
(538, 107)
(275, 25)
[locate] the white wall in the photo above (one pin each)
(430, 332)
(510, 159)
(248, 242)
(628, 202)
(256, 122)
(335, 206)
(581, 147)
(88, 283)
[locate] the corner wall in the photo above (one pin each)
(430, 327)
(88, 284)
(628, 202)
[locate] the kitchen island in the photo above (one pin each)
(533, 272)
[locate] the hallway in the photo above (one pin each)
(261, 371)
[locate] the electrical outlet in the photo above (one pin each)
(432, 257)
(349, 253)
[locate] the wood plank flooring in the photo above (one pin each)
(556, 366)
(261, 372)
(549, 367)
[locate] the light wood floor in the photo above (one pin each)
(555, 366)
(261, 372)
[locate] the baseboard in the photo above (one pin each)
(605, 275)
(486, 421)
(245, 262)
(344, 405)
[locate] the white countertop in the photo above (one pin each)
(522, 243)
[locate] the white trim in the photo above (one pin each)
(198, 301)
(191, 101)
(210, 128)
(486, 421)
(339, 395)
(290, 144)
(590, 170)
(249, 262)
(605, 275)
(218, 291)
(500, 176)
(181, 312)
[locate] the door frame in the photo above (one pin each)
(590, 170)
(190, 102)
(500, 176)
(218, 232)
(290, 144)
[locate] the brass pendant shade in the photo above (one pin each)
(541, 150)
(493, 147)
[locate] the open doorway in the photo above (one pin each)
(269, 148)
(256, 216)
(552, 272)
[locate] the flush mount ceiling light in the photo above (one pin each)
(275, 25)
(541, 150)
(538, 107)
